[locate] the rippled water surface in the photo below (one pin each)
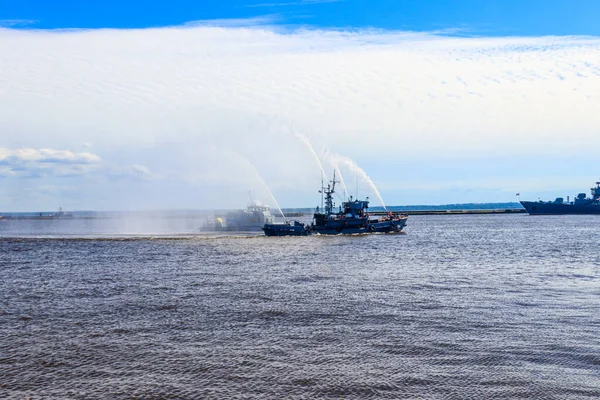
(504, 306)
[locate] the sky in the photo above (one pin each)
(108, 105)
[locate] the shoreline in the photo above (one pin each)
(288, 215)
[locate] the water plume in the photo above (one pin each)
(273, 197)
(253, 168)
(305, 140)
(360, 172)
(308, 144)
(338, 172)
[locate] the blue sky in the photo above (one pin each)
(444, 102)
(471, 17)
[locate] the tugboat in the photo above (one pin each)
(253, 218)
(581, 205)
(287, 229)
(351, 218)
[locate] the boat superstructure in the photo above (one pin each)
(253, 218)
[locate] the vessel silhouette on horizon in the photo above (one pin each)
(253, 218)
(580, 205)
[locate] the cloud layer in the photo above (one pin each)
(47, 156)
(416, 111)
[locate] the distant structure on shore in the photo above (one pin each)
(60, 214)
(445, 209)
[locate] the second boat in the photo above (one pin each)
(352, 217)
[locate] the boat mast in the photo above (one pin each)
(328, 195)
(333, 183)
(321, 191)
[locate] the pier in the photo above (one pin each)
(455, 212)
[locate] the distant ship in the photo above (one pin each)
(253, 218)
(351, 218)
(61, 214)
(581, 205)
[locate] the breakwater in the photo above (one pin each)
(456, 212)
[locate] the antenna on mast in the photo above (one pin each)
(321, 191)
(333, 182)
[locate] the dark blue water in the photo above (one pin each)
(504, 306)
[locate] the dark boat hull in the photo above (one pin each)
(393, 226)
(217, 228)
(540, 208)
(375, 227)
(285, 230)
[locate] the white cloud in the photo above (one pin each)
(235, 22)
(38, 163)
(139, 171)
(44, 163)
(46, 156)
(293, 3)
(406, 106)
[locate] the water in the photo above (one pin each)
(480, 306)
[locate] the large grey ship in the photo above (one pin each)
(580, 205)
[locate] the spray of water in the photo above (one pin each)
(253, 168)
(360, 172)
(308, 144)
(273, 197)
(305, 140)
